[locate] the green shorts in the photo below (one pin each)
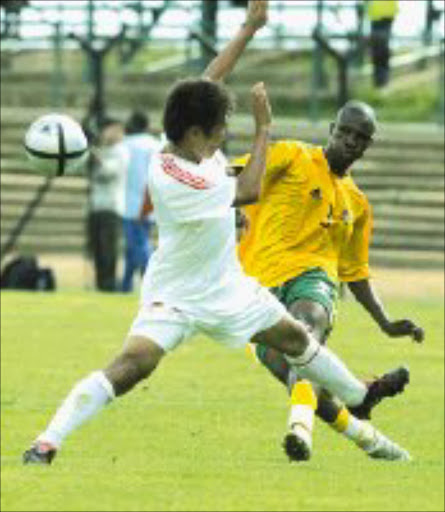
(314, 285)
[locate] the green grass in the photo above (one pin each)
(204, 432)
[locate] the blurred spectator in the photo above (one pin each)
(12, 8)
(381, 14)
(108, 167)
(138, 220)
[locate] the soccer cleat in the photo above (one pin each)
(389, 384)
(40, 453)
(298, 444)
(386, 449)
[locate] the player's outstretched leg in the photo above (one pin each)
(318, 364)
(305, 404)
(136, 362)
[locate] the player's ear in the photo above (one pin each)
(331, 128)
(194, 132)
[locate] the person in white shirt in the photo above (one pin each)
(137, 224)
(194, 281)
(108, 168)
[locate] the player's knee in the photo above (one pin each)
(314, 316)
(298, 339)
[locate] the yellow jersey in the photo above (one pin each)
(306, 217)
(379, 9)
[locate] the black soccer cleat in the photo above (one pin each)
(389, 384)
(39, 453)
(296, 448)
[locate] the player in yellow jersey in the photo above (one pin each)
(310, 231)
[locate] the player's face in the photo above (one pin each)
(351, 135)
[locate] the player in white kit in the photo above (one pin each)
(194, 282)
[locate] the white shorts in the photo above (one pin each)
(169, 326)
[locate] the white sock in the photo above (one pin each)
(86, 398)
(368, 438)
(371, 440)
(363, 434)
(320, 365)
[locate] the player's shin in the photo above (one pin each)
(86, 399)
(319, 364)
(303, 403)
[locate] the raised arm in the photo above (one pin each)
(249, 180)
(225, 61)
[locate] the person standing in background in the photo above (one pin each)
(381, 15)
(138, 219)
(108, 168)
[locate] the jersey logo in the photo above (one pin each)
(170, 167)
(329, 218)
(346, 217)
(316, 194)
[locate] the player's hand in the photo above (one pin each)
(404, 327)
(262, 111)
(256, 14)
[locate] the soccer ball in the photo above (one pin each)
(56, 144)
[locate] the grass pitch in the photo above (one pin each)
(204, 432)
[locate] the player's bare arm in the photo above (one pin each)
(367, 297)
(249, 180)
(224, 62)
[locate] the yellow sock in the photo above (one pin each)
(303, 394)
(303, 402)
(341, 421)
(251, 352)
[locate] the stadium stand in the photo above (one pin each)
(402, 175)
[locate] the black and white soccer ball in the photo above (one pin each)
(56, 144)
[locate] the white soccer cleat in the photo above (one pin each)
(384, 448)
(298, 443)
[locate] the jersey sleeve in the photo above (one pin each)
(188, 197)
(280, 155)
(354, 259)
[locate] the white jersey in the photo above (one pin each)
(195, 266)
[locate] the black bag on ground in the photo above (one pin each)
(23, 273)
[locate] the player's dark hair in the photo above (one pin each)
(195, 102)
(138, 122)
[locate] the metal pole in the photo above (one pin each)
(26, 216)
(279, 31)
(318, 79)
(88, 70)
(208, 27)
(360, 43)
(320, 75)
(57, 75)
(441, 82)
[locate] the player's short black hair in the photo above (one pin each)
(138, 122)
(195, 102)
